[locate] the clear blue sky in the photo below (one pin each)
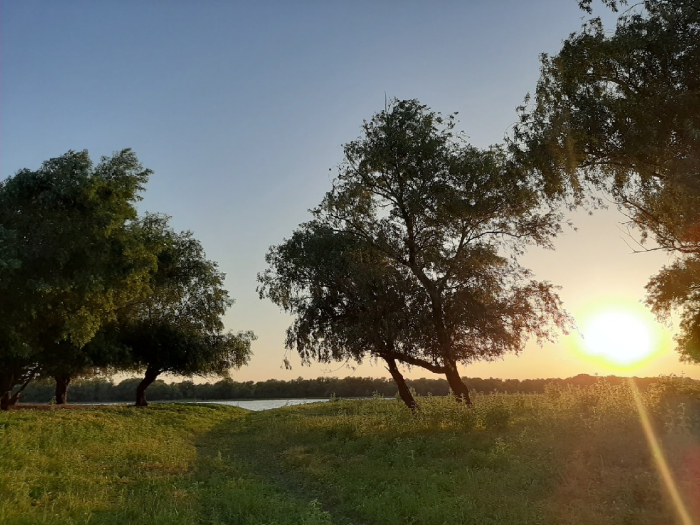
(241, 108)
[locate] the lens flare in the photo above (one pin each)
(659, 458)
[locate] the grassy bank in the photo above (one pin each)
(567, 456)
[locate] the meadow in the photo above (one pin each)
(570, 455)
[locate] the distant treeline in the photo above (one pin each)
(105, 390)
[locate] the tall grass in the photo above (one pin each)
(570, 456)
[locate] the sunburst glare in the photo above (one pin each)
(619, 336)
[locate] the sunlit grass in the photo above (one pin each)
(567, 456)
(107, 465)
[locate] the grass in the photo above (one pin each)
(569, 456)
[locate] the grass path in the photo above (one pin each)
(242, 484)
(361, 471)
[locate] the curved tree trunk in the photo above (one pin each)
(5, 400)
(151, 375)
(15, 398)
(404, 391)
(62, 384)
(459, 389)
(7, 381)
(11, 376)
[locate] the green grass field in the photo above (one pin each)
(567, 456)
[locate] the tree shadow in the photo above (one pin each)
(240, 482)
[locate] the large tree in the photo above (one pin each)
(620, 111)
(451, 219)
(68, 261)
(349, 302)
(177, 326)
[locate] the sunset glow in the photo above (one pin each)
(619, 336)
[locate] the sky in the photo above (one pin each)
(241, 110)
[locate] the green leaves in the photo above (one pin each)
(176, 326)
(620, 112)
(72, 232)
(69, 256)
(412, 253)
(76, 261)
(348, 302)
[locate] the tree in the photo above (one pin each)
(177, 327)
(348, 301)
(675, 287)
(621, 112)
(18, 367)
(449, 219)
(68, 261)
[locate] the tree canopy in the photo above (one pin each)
(348, 301)
(448, 220)
(177, 326)
(69, 259)
(620, 112)
(76, 261)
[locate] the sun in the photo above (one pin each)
(619, 336)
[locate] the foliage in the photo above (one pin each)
(70, 221)
(177, 325)
(450, 220)
(676, 287)
(347, 302)
(570, 456)
(69, 258)
(87, 286)
(621, 112)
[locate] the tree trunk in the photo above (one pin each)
(459, 389)
(5, 400)
(6, 384)
(404, 391)
(62, 384)
(151, 375)
(15, 398)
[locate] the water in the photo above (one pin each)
(249, 404)
(265, 404)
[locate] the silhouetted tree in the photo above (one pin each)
(349, 302)
(620, 112)
(448, 220)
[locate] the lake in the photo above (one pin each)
(266, 404)
(249, 404)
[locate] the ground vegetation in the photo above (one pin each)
(570, 455)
